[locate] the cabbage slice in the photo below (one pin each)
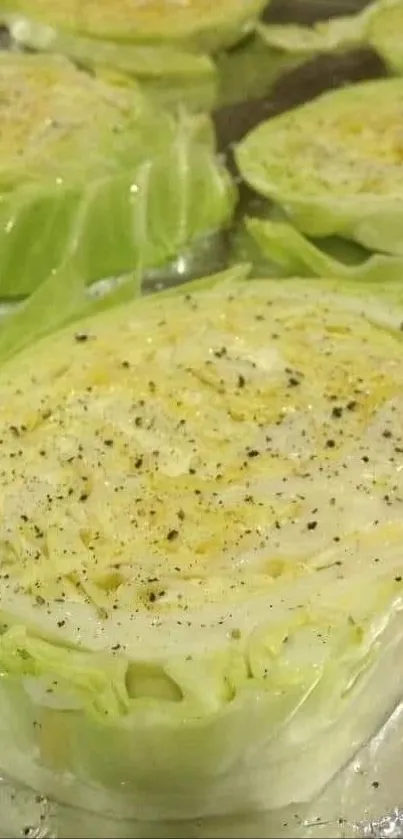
(200, 546)
(128, 188)
(334, 165)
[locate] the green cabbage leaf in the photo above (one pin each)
(289, 251)
(182, 635)
(127, 189)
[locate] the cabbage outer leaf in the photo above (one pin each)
(169, 648)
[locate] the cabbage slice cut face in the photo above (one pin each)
(201, 536)
(379, 25)
(90, 172)
(334, 164)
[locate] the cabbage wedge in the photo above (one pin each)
(201, 575)
(91, 173)
(334, 165)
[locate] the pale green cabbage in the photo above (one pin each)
(250, 71)
(199, 595)
(288, 250)
(170, 75)
(125, 188)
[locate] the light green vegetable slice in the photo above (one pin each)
(386, 34)
(334, 164)
(128, 188)
(200, 546)
(196, 24)
(288, 249)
